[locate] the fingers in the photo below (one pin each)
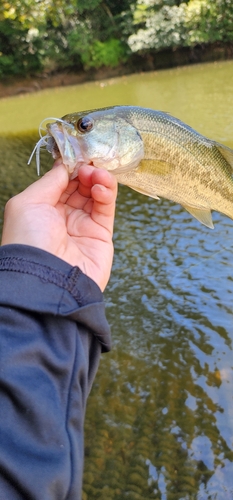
(94, 191)
(70, 190)
(104, 192)
(89, 175)
(104, 198)
(92, 183)
(96, 195)
(79, 189)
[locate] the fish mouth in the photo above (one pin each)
(52, 147)
(62, 144)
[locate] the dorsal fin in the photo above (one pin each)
(227, 153)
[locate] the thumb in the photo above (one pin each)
(49, 188)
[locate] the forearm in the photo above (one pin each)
(51, 323)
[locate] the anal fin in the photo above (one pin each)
(203, 215)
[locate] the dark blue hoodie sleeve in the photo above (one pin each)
(52, 331)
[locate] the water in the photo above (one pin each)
(160, 416)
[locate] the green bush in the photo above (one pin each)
(19, 49)
(209, 21)
(43, 35)
(109, 53)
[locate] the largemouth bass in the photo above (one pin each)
(149, 151)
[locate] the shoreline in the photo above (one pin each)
(148, 61)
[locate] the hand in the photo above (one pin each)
(73, 220)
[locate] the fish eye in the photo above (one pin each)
(84, 124)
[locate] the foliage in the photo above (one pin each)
(109, 53)
(164, 28)
(173, 24)
(43, 34)
(19, 50)
(37, 35)
(209, 21)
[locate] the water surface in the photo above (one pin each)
(160, 416)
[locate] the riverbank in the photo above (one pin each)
(149, 61)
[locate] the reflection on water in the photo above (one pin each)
(160, 417)
(170, 405)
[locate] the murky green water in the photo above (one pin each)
(160, 417)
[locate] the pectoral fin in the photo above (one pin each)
(144, 191)
(201, 214)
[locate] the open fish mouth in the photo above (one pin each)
(60, 142)
(117, 147)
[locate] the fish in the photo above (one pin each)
(149, 151)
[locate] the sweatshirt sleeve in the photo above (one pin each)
(52, 331)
